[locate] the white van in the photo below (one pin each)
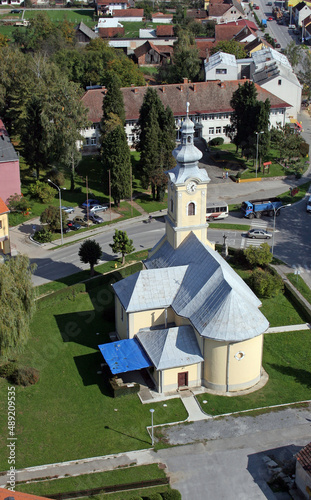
(309, 205)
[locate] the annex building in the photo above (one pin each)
(187, 316)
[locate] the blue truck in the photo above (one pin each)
(257, 208)
(264, 23)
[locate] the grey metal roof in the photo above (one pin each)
(212, 296)
(171, 347)
(274, 70)
(150, 289)
(86, 30)
(221, 58)
(7, 151)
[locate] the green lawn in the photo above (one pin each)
(301, 286)
(286, 360)
(95, 480)
(73, 16)
(69, 414)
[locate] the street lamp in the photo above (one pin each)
(257, 133)
(60, 208)
(152, 436)
(274, 217)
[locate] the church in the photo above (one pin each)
(187, 316)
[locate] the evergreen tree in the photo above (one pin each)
(122, 244)
(113, 102)
(156, 130)
(90, 252)
(116, 157)
(249, 116)
(17, 304)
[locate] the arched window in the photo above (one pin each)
(191, 209)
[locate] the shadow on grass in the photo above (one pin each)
(88, 365)
(302, 377)
(127, 435)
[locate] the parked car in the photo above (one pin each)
(269, 4)
(81, 220)
(68, 210)
(259, 233)
(16, 11)
(277, 45)
(309, 205)
(270, 18)
(96, 219)
(74, 226)
(256, 7)
(90, 203)
(98, 208)
(292, 26)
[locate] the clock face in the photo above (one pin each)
(191, 187)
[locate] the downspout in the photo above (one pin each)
(228, 366)
(165, 313)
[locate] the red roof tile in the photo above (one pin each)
(304, 458)
(4, 493)
(3, 210)
(204, 48)
(226, 32)
(165, 30)
(128, 13)
(204, 97)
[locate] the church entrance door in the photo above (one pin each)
(182, 379)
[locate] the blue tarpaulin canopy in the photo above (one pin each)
(125, 356)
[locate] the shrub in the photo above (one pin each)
(43, 236)
(171, 495)
(7, 370)
(218, 141)
(265, 284)
(55, 176)
(17, 203)
(258, 256)
(42, 191)
(155, 496)
(304, 148)
(24, 375)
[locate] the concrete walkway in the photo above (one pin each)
(193, 408)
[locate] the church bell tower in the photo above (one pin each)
(187, 191)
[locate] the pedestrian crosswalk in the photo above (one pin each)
(255, 224)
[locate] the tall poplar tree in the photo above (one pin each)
(116, 158)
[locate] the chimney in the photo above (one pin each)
(163, 89)
(185, 80)
(181, 88)
(194, 87)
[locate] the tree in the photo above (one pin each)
(305, 75)
(90, 252)
(288, 143)
(17, 297)
(115, 155)
(249, 116)
(258, 256)
(230, 47)
(185, 63)
(113, 102)
(156, 140)
(51, 217)
(266, 284)
(294, 53)
(122, 244)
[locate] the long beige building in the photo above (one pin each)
(188, 316)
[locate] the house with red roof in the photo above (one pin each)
(150, 54)
(10, 182)
(17, 495)
(225, 11)
(209, 102)
(165, 30)
(128, 15)
(303, 471)
(108, 6)
(159, 17)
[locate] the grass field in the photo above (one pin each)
(95, 480)
(69, 413)
(286, 360)
(301, 286)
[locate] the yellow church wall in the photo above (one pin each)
(121, 319)
(170, 377)
(147, 319)
(232, 366)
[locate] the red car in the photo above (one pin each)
(270, 18)
(256, 7)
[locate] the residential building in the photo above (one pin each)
(128, 15)
(300, 12)
(9, 166)
(5, 247)
(303, 471)
(108, 6)
(268, 68)
(192, 320)
(159, 17)
(210, 102)
(84, 34)
(226, 11)
(150, 54)
(165, 30)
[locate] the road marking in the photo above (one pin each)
(259, 223)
